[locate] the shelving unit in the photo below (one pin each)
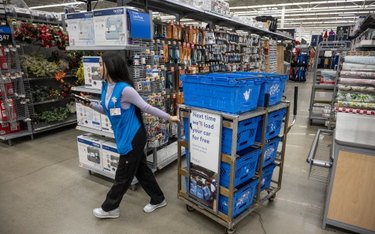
(334, 46)
(231, 121)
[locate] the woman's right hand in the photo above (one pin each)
(83, 103)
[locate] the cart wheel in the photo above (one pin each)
(90, 173)
(310, 121)
(189, 208)
(232, 230)
(272, 198)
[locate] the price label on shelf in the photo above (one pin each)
(158, 77)
(162, 78)
(164, 92)
(179, 68)
(80, 165)
(149, 98)
(162, 66)
(155, 67)
(355, 53)
(162, 42)
(174, 96)
(147, 51)
(159, 94)
(158, 41)
(67, 48)
(349, 53)
(152, 79)
(18, 46)
(361, 53)
(154, 94)
(161, 52)
(148, 66)
(172, 69)
(147, 79)
(152, 52)
(168, 96)
(169, 42)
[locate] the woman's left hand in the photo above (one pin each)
(174, 119)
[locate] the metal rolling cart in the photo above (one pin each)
(231, 121)
(334, 46)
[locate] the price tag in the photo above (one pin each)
(155, 67)
(158, 77)
(147, 51)
(184, 44)
(10, 46)
(13, 77)
(158, 41)
(67, 48)
(159, 94)
(152, 52)
(147, 79)
(168, 96)
(179, 68)
(162, 66)
(164, 92)
(22, 73)
(174, 96)
(192, 46)
(163, 42)
(174, 43)
(162, 78)
(188, 45)
(368, 53)
(169, 42)
(149, 98)
(152, 79)
(80, 165)
(18, 46)
(355, 53)
(349, 53)
(172, 69)
(361, 53)
(148, 66)
(154, 94)
(161, 52)
(189, 68)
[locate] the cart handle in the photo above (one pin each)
(295, 104)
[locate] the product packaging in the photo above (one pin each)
(90, 70)
(110, 156)
(81, 29)
(90, 150)
(111, 26)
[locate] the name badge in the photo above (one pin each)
(115, 111)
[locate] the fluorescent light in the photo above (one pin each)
(295, 4)
(57, 5)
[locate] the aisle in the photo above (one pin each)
(42, 190)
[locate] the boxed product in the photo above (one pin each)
(110, 26)
(3, 59)
(8, 86)
(90, 150)
(106, 124)
(90, 70)
(14, 127)
(8, 112)
(328, 77)
(110, 157)
(81, 29)
(88, 117)
(4, 128)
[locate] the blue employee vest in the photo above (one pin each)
(126, 125)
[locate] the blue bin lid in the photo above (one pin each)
(222, 80)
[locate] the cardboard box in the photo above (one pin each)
(106, 124)
(90, 70)
(90, 150)
(88, 117)
(81, 29)
(110, 157)
(4, 128)
(111, 26)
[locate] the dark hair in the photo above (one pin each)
(117, 69)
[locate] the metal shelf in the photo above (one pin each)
(13, 135)
(184, 10)
(326, 87)
(39, 21)
(84, 89)
(48, 77)
(317, 116)
(50, 101)
(54, 126)
(97, 132)
(101, 48)
(18, 119)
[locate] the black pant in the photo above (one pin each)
(133, 164)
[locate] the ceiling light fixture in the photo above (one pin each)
(58, 5)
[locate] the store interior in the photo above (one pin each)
(290, 83)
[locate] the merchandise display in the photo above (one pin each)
(111, 26)
(110, 156)
(90, 150)
(90, 70)
(81, 29)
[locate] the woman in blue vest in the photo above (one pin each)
(123, 105)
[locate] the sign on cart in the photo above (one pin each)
(204, 158)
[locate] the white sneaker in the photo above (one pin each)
(149, 208)
(101, 214)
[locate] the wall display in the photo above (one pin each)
(81, 29)
(111, 26)
(204, 157)
(90, 70)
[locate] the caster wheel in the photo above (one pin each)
(90, 173)
(189, 208)
(310, 121)
(232, 230)
(272, 198)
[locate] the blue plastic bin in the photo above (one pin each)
(273, 84)
(221, 93)
(270, 152)
(200, 192)
(244, 169)
(246, 132)
(241, 200)
(267, 177)
(274, 123)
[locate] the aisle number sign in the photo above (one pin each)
(204, 158)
